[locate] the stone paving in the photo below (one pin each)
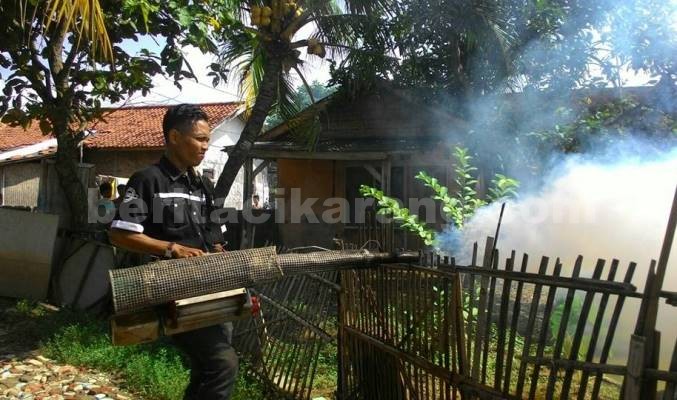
(27, 374)
(39, 378)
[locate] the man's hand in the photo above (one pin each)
(218, 248)
(179, 251)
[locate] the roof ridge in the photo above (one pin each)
(217, 103)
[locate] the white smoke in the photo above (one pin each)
(611, 205)
(597, 209)
(594, 209)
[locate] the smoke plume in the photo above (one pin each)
(595, 208)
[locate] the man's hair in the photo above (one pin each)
(181, 118)
(106, 189)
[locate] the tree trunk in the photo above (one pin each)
(264, 102)
(60, 114)
(67, 171)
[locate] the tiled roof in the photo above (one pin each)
(125, 128)
(141, 127)
(15, 136)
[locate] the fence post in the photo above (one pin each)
(646, 321)
(459, 325)
(633, 376)
(340, 342)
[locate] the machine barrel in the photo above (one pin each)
(163, 281)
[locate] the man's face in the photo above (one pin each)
(190, 146)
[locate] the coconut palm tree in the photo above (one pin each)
(264, 39)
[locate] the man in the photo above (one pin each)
(163, 214)
(256, 202)
(121, 195)
(105, 205)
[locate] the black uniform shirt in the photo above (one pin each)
(166, 204)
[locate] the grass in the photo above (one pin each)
(326, 378)
(153, 371)
(158, 371)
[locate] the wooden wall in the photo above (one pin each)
(21, 183)
(314, 178)
(389, 115)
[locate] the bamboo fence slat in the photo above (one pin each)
(438, 330)
(669, 393)
(513, 327)
(597, 327)
(535, 301)
(543, 333)
(613, 324)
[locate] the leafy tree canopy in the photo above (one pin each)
(471, 48)
(52, 70)
(61, 59)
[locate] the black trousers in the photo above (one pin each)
(213, 362)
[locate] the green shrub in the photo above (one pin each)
(458, 207)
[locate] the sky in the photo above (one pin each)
(202, 91)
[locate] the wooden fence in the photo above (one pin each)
(488, 332)
(443, 331)
(297, 321)
(493, 329)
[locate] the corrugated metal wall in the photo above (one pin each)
(21, 183)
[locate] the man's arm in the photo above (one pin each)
(142, 243)
(133, 218)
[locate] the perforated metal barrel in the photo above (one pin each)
(322, 261)
(163, 281)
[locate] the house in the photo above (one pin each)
(22, 166)
(123, 141)
(381, 140)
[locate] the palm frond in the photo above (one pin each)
(322, 7)
(237, 46)
(242, 52)
(343, 32)
(370, 6)
(304, 128)
(86, 19)
(305, 84)
(286, 95)
(237, 8)
(252, 76)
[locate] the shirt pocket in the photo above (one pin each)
(175, 217)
